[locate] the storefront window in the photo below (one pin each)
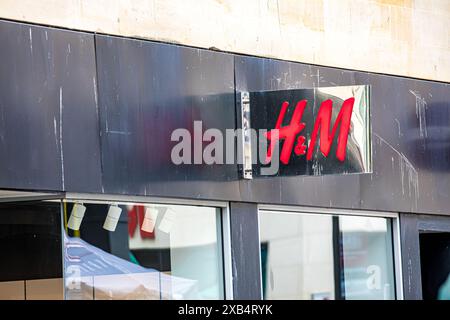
(139, 251)
(324, 257)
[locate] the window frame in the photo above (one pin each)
(396, 240)
(125, 199)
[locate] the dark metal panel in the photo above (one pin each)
(428, 223)
(411, 141)
(410, 246)
(245, 251)
(410, 123)
(81, 132)
(147, 90)
(29, 108)
(47, 109)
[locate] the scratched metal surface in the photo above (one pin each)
(146, 89)
(411, 145)
(48, 123)
(411, 141)
(245, 249)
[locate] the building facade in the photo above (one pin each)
(93, 206)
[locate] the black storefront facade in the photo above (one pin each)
(86, 119)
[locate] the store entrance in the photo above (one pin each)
(435, 265)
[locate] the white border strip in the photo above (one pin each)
(397, 258)
(226, 254)
(259, 254)
(331, 211)
(125, 199)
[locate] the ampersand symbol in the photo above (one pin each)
(300, 147)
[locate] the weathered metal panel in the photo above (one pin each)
(410, 123)
(411, 146)
(409, 235)
(245, 251)
(146, 91)
(48, 124)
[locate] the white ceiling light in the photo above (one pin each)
(151, 214)
(112, 218)
(76, 216)
(167, 221)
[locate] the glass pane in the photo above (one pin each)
(30, 244)
(367, 258)
(154, 252)
(323, 257)
(298, 256)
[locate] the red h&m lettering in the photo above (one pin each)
(323, 123)
(289, 133)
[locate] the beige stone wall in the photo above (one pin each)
(403, 37)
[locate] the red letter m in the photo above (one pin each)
(323, 123)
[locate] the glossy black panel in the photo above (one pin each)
(410, 123)
(81, 133)
(48, 124)
(411, 140)
(147, 90)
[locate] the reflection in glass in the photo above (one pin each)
(367, 258)
(155, 252)
(324, 257)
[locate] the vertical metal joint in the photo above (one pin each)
(246, 136)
